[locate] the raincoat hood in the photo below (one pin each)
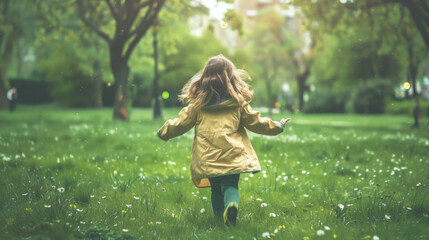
(228, 103)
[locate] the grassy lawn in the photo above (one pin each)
(67, 174)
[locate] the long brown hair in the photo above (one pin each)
(218, 79)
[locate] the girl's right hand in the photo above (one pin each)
(285, 120)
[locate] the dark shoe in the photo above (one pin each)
(230, 214)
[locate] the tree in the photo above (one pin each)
(62, 39)
(15, 21)
(374, 37)
(333, 14)
(132, 20)
(273, 46)
(189, 57)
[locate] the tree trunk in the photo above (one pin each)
(412, 69)
(19, 58)
(419, 14)
(121, 73)
(4, 87)
(4, 64)
(412, 65)
(302, 87)
(157, 107)
(97, 81)
(120, 105)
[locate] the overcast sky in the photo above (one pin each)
(217, 10)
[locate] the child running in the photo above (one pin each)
(218, 107)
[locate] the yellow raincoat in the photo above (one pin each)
(221, 145)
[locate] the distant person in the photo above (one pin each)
(219, 110)
(12, 97)
(416, 114)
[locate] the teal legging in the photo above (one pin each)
(224, 191)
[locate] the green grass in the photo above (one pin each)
(67, 174)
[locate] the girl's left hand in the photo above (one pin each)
(284, 121)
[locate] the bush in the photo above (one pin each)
(71, 86)
(32, 91)
(326, 101)
(405, 107)
(73, 91)
(369, 98)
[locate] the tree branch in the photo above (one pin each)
(420, 22)
(144, 25)
(144, 18)
(132, 14)
(145, 4)
(120, 10)
(81, 12)
(425, 6)
(112, 10)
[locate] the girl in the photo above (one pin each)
(218, 107)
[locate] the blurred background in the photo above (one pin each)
(311, 56)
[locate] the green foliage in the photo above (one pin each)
(357, 175)
(16, 25)
(326, 101)
(358, 40)
(191, 56)
(405, 107)
(71, 87)
(346, 63)
(272, 49)
(369, 97)
(235, 19)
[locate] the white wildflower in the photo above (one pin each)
(266, 235)
(320, 233)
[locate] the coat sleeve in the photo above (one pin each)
(178, 126)
(253, 121)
